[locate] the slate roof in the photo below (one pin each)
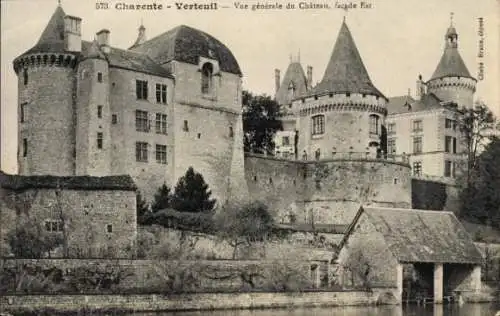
(52, 38)
(406, 104)
(451, 63)
(294, 76)
(52, 41)
(18, 182)
(130, 60)
(422, 236)
(345, 71)
(187, 44)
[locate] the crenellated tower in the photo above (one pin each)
(451, 81)
(345, 112)
(46, 99)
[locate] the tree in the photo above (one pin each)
(244, 224)
(260, 122)
(475, 125)
(141, 207)
(192, 194)
(161, 199)
(30, 240)
(481, 198)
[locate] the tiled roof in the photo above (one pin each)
(345, 71)
(423, 236)
(130, 60)
(187, 44)
(406, 104)
(18, 182)
(294, 76)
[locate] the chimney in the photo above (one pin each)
(103, 40)
(420, 91)
(277, 79)
(309, 76)
(72, 34)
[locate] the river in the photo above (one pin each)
(411, 310)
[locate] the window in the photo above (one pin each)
(317, 154)
(141, 121)
(161, 93)
(417, 144)
(185, 128)
(99, 77)
(141, 151)
(318, 124)
(23, 112)
(54, 226)
(25, 76)
(161, 123)
(114, 119)
(374, 124)
(285, 141)
(25, 147)
(141, 89)
(99, 140)
(417, 168)
(448, 168)
(448, 143)
(231, 132)
(391, 128)
(448, 123)
(109, 228)
(206, 78)
(391, 146)
(161, 154)
(99, 111)
(417, 126)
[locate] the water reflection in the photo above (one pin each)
(412, 310)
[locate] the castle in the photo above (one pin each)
(174, 101)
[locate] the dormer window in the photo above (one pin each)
(291, 90)
(206, 78)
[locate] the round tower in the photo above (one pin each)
(451, 80)
(345, 112)
(93, 129)
(46, 86)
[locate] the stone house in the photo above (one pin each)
(382, 245)
(94, 216)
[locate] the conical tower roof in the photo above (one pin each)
(345, 71)
(451, 63)
(52, 38)
(295, 79)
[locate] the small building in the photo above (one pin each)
(92, 217)
(391, 247)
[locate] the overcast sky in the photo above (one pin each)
(397, 40)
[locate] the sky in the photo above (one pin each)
(397, 40)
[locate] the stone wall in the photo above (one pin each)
(97, 223)
(367, 261)
(179, 302)
(48, 125)
(326, 191)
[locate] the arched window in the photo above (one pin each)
(374, 124)
(206, 78)
(318, 125)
